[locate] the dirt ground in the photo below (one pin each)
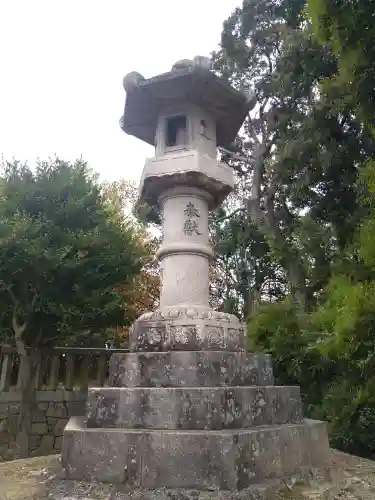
(40, 479)
(27, 479)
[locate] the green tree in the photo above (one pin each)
(275, 328)
(305, 198)
(298, 155)
(346, 310)
(63, 252)
(245, 272)
(140, 294)
(346, 316)
(348, 26)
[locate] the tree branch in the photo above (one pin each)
(261, 117)
(18, 328)
(221, 219)
(251, 131)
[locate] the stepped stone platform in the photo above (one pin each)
(230, 459)
(194, 419)
(190, 368)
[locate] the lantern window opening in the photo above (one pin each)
(203, 127)
(176, 131)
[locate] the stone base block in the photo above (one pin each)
(190, 368)
(203, 460)
(187, 329)
(192, 408)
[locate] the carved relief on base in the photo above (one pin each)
(185, 312)
(187, 328)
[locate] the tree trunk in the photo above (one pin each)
(252, 302)
(29, 362)
(297, 282)
(286, 254)
(263, 217)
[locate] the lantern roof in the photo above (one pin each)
(188, 83)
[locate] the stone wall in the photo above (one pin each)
(50, 417)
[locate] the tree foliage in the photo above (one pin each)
(298, 154)
(303, 211)
(244, 270)
(141, 293)
(349, 27)
(65, 251)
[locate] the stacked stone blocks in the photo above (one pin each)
(52, 412)
(183, 414)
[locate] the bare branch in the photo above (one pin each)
(269, 194)
(270, 67)
(259, 166)
(251, 130)
(18, 332)
(17, 327)
(261, 117)
(221, 219)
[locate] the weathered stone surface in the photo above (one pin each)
(3, 411)
(35, 441)
(193, 408)
(227, 460)
(110, 456)
(59, 427)
(39, 416)
(46, 430)
(39, 429)
(143, 104)
(187, 329)
(57, 444)
(46, 444)
(57, 410)
(190, 368)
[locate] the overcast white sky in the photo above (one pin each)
(62, 64)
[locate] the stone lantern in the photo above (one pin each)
(189, 407)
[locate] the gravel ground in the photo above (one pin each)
(40, 479)
(27, 479)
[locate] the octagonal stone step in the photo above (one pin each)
(204, 460)
(189, 368)
(192, 408)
